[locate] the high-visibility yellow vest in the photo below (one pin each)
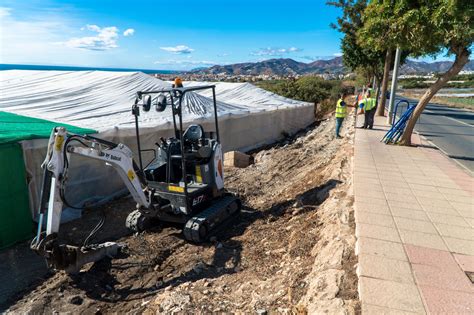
(369, 103)
(340, 110)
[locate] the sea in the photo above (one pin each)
(71, 68)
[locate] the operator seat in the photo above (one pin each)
(193, 133)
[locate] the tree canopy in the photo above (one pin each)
(422, 27)
(357, 55)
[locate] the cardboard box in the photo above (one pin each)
(237, 159)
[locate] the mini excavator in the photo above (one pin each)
(183, 183)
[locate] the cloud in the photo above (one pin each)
(223, 55)
(129, 32)
(105, 39)
(34, 39)
(180, 49)
(269, 51)
(338, 54)
(4, 12)
(186, 62)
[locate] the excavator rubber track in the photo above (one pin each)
(198, 228)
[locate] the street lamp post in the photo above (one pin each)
(393, 89)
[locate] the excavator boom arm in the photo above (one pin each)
(56, 165)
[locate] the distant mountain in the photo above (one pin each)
(415, 67)
(283, 66)
(286, 66)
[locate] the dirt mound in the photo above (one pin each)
(291, 250)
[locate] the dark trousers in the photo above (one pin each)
(369, 118)
(339, 121)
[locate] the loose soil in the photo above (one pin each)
(290, 250)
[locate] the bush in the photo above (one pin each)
(312, 89)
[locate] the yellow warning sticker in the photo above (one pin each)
(58, 143)
(131, 175)
(198, 174)
(175, 188)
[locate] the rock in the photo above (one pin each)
(200, 266)
(76, 300)
(261, 311)
(205, 292)
(108, 287)
(219, 245)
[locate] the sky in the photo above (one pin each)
(168, 35)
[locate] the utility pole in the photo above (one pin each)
(393, 89)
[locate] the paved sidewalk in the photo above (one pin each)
(414, 212)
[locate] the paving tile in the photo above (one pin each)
(400, 197)
(428, 194)
(375, 201)
(433, 202)
(363, 176)
(369, 193)
(470, 221)
(423, 187)
(463, 206)
(392, 182)
(466, 213)
(466, 262)
(428, 256)
(370, 207)
(367, 180)
(384, 268)
(415, 225)
(376, 247)
(409, 213)
(446, 184)
(466, 233)
(369, 309)
(390, 294)
(374, 218)
(463, 199)
(420, 181)
(442, 277)
(361, 188)
(448, 219)
(441, 301)
(448, 210)
(402, 204)
(399, 190)
(377, 232)
(460, 246)
(422, 239)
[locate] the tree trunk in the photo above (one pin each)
(462, 57)
(386, 72)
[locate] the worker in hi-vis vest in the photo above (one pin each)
(341, 112)
(367, 106)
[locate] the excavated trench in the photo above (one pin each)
(291, 250)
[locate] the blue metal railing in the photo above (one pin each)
(396, 131)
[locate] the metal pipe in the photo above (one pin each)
(136, 113)
(183, 155)
(393, 89)
(215, 112)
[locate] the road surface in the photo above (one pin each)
(450, 129)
